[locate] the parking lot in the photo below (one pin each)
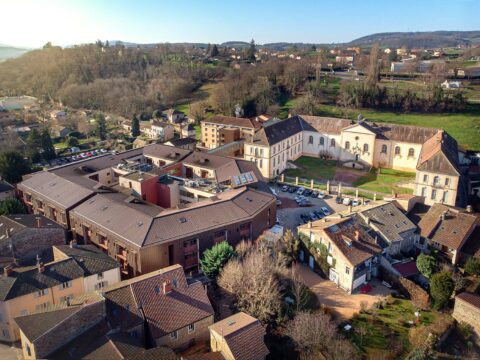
(289, 212)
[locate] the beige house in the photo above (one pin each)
(220, 130)
(431, 153)
(353, 254)
(238, 337)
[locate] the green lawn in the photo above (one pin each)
(385, 181)
(389, 328)
(464, 127)
(64, 145)
(313, 168)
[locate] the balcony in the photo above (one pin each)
(245, 232)
(103, 244)
(122, 255)
(219, 239)
(190, 249)
(191, 262)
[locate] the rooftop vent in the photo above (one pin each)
(105, 207)
(231, 322)
(140, 223)
(182, 220)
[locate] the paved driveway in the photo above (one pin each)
(343, 304)
(8, 352)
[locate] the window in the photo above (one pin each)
(40, 293)
(321, 141)
(347, 145)
(101, 285)
(435, 180)
(424, 191)
(6, 334)
(251, 150)
(434, 194)
(174, 335)
(310, 139)
(411, 152)
(29, 352)
(41, 307)
(347, 270)
(261, 152)
(1, 316)
(261, 163)
(65, 299)
(191, 328)
(384, 149)
(100, 276)
(65, 285)
(24, 312)
(365, 147)
(332, 143)
(445, 195)
(425, 178)
(447, 181)
(397, 150)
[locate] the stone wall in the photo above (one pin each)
(467, 313)
(184, 339)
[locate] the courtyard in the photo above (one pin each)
(382, 180)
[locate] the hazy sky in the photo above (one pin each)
(32, 23)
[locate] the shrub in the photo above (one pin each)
(472, 267)
(214, 259)
(441, 288)
(426, 264)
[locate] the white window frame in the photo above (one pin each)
(191, 328)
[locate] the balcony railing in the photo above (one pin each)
(191, 262)
(190, 249)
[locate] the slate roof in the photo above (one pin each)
(440, 155)
(164, 313)
(19, 222)
(280, 130)
(244, 336)
(91, 259)
(230, 121)
(451, 231)
(55, 189)
(388, 220)
(182, 142)
(472, 299)
(5, 186)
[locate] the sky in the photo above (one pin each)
(32, 23)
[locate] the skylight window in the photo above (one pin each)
(182, 220)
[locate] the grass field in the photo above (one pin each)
(389, 328)
(385, 181)
(313, 168)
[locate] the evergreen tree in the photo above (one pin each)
(135, 126)
(251, 51)
(215, 258)
(214, 51)
(47, 146)
(472, 266)
(11, 206)
(34, 143)
(101, 126)
(426, 264)
(441, 288)
(13, 166)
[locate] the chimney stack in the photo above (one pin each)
(73, 243)
(368, 221)
(39, 222)
(7, 270)
(309, 224)
(40, 265)
(167, 287)
(443, 216)
(8, 232)
(469, 209)
(350, 208)
(357, 235)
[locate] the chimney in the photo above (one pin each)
(8, 232)
(7, 270)
(469, 209)
(368, 221)
(40, 265)
(350, 208)
(376, 239)
(443, 216)
(73, 243)
(309, 224)
(357, 235)
(39, 222)
(167, 287)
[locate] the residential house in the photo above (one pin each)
(58, 115)
(448, 229)
(238, 337)
(6, 190)
(188, 131)
(158, 130)
(174, 116)
(451, 84)
(184, 143)
(392, 229)
(220, 130)
(24, 236)
(35, 288)
(353, 254)
(467, 310)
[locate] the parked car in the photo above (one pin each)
(304, 202)
(355, 202)
(299, 198)
(366, 202)
(346, 201)
(325, 210)
(103, 150)
(292, 189)
(319, 214)
(300, 190)
(313, 216)
(321, 194)
(307, 192)
(304, 218)
(314, 194)
(338, 200)
(284, 188)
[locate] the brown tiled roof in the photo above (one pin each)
(122, 310)
(450, 232)
(207, 356)
(355, 251)
(244, 336)
(440, 155)
(230, 121)
(55, 189)
(165, 152)
(472, 299)
(164, 313)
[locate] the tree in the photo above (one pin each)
(426, 264)
(48, 152)
(34, 143)
(472, 266)
(100, 126)
(197, 111)
(441, 288)
(13, 166)
(72, 141)
(135, 126)
(214, 52)
(251, 51)
(215, 258)
(11, 206)
(374, 67)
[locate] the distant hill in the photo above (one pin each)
(9, 52)
(427, 39)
